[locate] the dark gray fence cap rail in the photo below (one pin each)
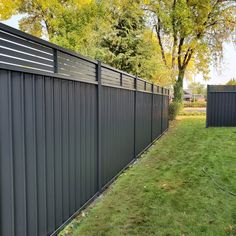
(221, 88)
(23, 52)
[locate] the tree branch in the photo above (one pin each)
(174, 51)
(205, 24)
(185, 64)
(181, 42)
(158, 31)
(174, 36)
(186, 55)
(213, 8)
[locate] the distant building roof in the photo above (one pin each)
(198, 95)
(186, 91)
(188, 95)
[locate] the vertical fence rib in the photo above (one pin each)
(11, 152)
(152, 113)
(162, 100)
(99, 122)
(207, 107)
(168, 109)
(55, 60)
(135, 113)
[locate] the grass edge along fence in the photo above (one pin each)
(68, 126)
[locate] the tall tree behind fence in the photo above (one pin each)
(68, 126)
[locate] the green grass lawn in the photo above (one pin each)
(167, 193)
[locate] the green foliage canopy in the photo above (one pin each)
(231, 82)
(191, 34)
(129, 45)
(160, 40)
(197, 88)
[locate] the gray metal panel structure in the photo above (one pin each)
(117, 131)
(48, 130)
(65, 132)
(221, 105)
(143, 121)
(165, 119)
(157, 115)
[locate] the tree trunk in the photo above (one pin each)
(178, 87)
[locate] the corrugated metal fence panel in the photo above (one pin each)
(48, 145)
(221, 106)
(157, 115)
(143, 120)
(117, 131)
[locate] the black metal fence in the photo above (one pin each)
(221, 105)
(68, 126)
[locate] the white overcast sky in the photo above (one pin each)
(227, 71)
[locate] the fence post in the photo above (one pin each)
(162, 100)
(207, 124)
(121, 79)
(168, 107)
(55, 60)
(152, 115)
(99, 123)
(135, 112)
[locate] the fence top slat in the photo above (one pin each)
(30, 38)
(45, 43)
(222, 88)
(117, 70)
